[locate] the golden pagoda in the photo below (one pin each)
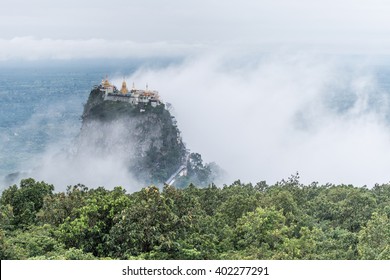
(106, 83)
(124, 89)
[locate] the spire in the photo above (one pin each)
(124, 89)
(106, 83)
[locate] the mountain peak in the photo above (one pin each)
(136, 129)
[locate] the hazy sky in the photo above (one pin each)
(267, 118)
(72, 28)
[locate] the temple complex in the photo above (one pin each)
(134, 96)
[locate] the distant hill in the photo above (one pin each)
(144, 136)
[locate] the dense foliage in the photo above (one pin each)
(287, 220)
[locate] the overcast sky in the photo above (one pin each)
(288, 119)
(76, 28)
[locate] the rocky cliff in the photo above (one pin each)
(144, 138)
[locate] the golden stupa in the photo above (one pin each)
(124, 89)
(106, 83)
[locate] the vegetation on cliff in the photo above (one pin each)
(287, 220)
(145, 137)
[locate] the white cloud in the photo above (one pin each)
(29, 48)
(267, 119)
(262, 119)
(99, 156)
(350, 26)
(259, 118)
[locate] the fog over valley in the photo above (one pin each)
(268, 118)
(264, 89)
(259, 118)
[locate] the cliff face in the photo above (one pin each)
(144, 138)
(123, 143)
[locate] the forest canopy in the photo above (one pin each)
(287, 220)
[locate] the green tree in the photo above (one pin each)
(382, 195)
(374, 239)
(302, 248)
(32, 242)
(4, 247)
(147, 223)
(334, 244)
(93, 221)
(347, 207)
(234, 207)
(66, 254)
(60, 206)
(261, 232)
(197, 172)
(6, 217)
(26, 200)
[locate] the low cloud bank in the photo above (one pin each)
(267, 118)
(30, 48)
(99, 156)
(261, 118)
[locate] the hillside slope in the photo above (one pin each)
(145, 138)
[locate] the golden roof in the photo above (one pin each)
(124, 89)
(106, 83)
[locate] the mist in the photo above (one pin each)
(28, 48)
(268, 117)
(258, 117)
(98, 156)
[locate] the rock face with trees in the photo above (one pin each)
(143, 137)
(287, 220)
